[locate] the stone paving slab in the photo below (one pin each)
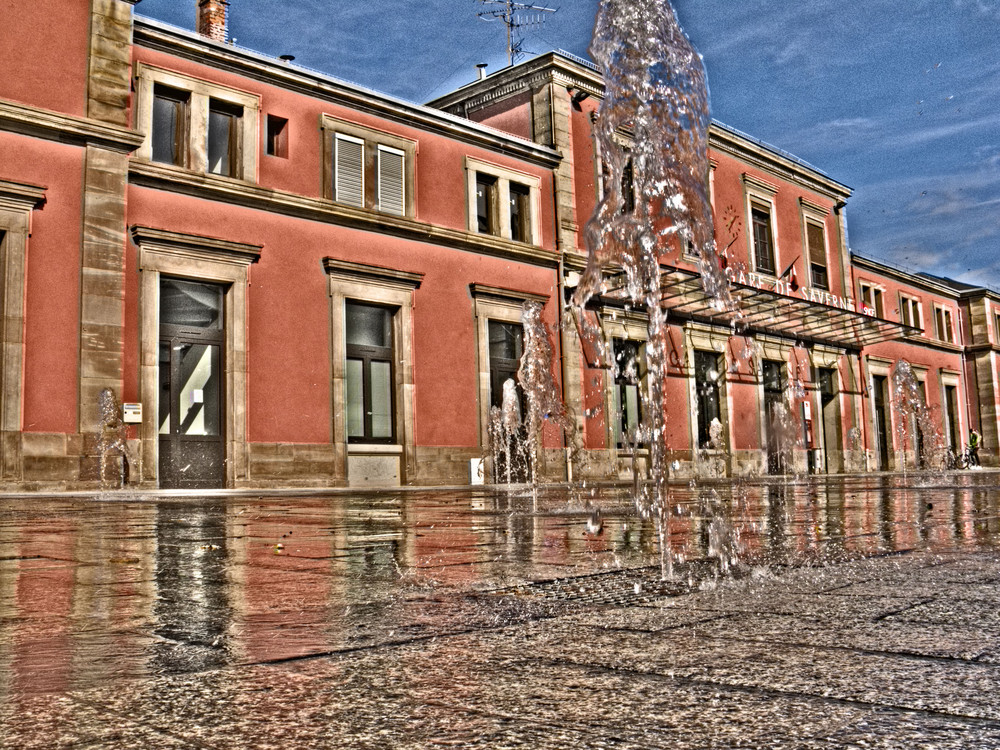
(506, 689)
(322, 645)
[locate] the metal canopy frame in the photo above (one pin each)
(769, 312)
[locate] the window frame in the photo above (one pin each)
(626, 325)
(500, 204)
(877, 298)
(243, 163)
(216, 106)
(814, 218)
(182, 105)
(914, 316)
(488, 220)
(492, 303)
(373, 140)
(944, 323)
(703, 426)
(394, 289)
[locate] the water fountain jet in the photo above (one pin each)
(655, 90)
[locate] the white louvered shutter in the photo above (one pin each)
(390, 180)
(349, 171)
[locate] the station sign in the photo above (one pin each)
(787, 289)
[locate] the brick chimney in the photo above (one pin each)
(212, 19)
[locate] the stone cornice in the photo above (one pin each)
(510, 296)
(238, 192)
(55, 126)
(150, 35)
(21, 194)
(550, 67)
(774, 163)
(910, 279)
(364, 272)
(809, 205)
(196, 245)
(561, 70)
(754, 183)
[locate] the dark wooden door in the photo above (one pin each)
(192, 396)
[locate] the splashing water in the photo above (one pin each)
(540, 391)
(508, 447)
(112, 443)
(915, 422)
(655, 90)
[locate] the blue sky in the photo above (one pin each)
(898, 100)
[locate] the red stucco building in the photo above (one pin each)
(297, 281)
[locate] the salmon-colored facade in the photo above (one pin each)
(289, 280)
(791, 380)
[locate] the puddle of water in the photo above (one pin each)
(91, 591)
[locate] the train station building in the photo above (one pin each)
(291, 280)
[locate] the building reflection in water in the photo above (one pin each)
(193, 613)
(95, 591)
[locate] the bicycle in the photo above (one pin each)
(964, 460)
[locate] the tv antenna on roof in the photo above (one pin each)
(515, 16)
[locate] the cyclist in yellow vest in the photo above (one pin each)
(974, 440)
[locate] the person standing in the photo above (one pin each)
(974, 440)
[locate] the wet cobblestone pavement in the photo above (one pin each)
(843, 614)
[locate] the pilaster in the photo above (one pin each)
(102, 280)
(108, 85)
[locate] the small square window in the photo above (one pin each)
(277, 136)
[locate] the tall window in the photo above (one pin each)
(391, 180)
(951, 417)
(349, 170)
(223, 137)
(763, 238)
(816, 241)
(943, 330)
(506, 348)
(909, 311)
(486, 204)
(627, 183)
(369, 379)
(520, 213)
(169, 125)
(630, 371)
(707, 391)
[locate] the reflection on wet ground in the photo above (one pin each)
(807, 614)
